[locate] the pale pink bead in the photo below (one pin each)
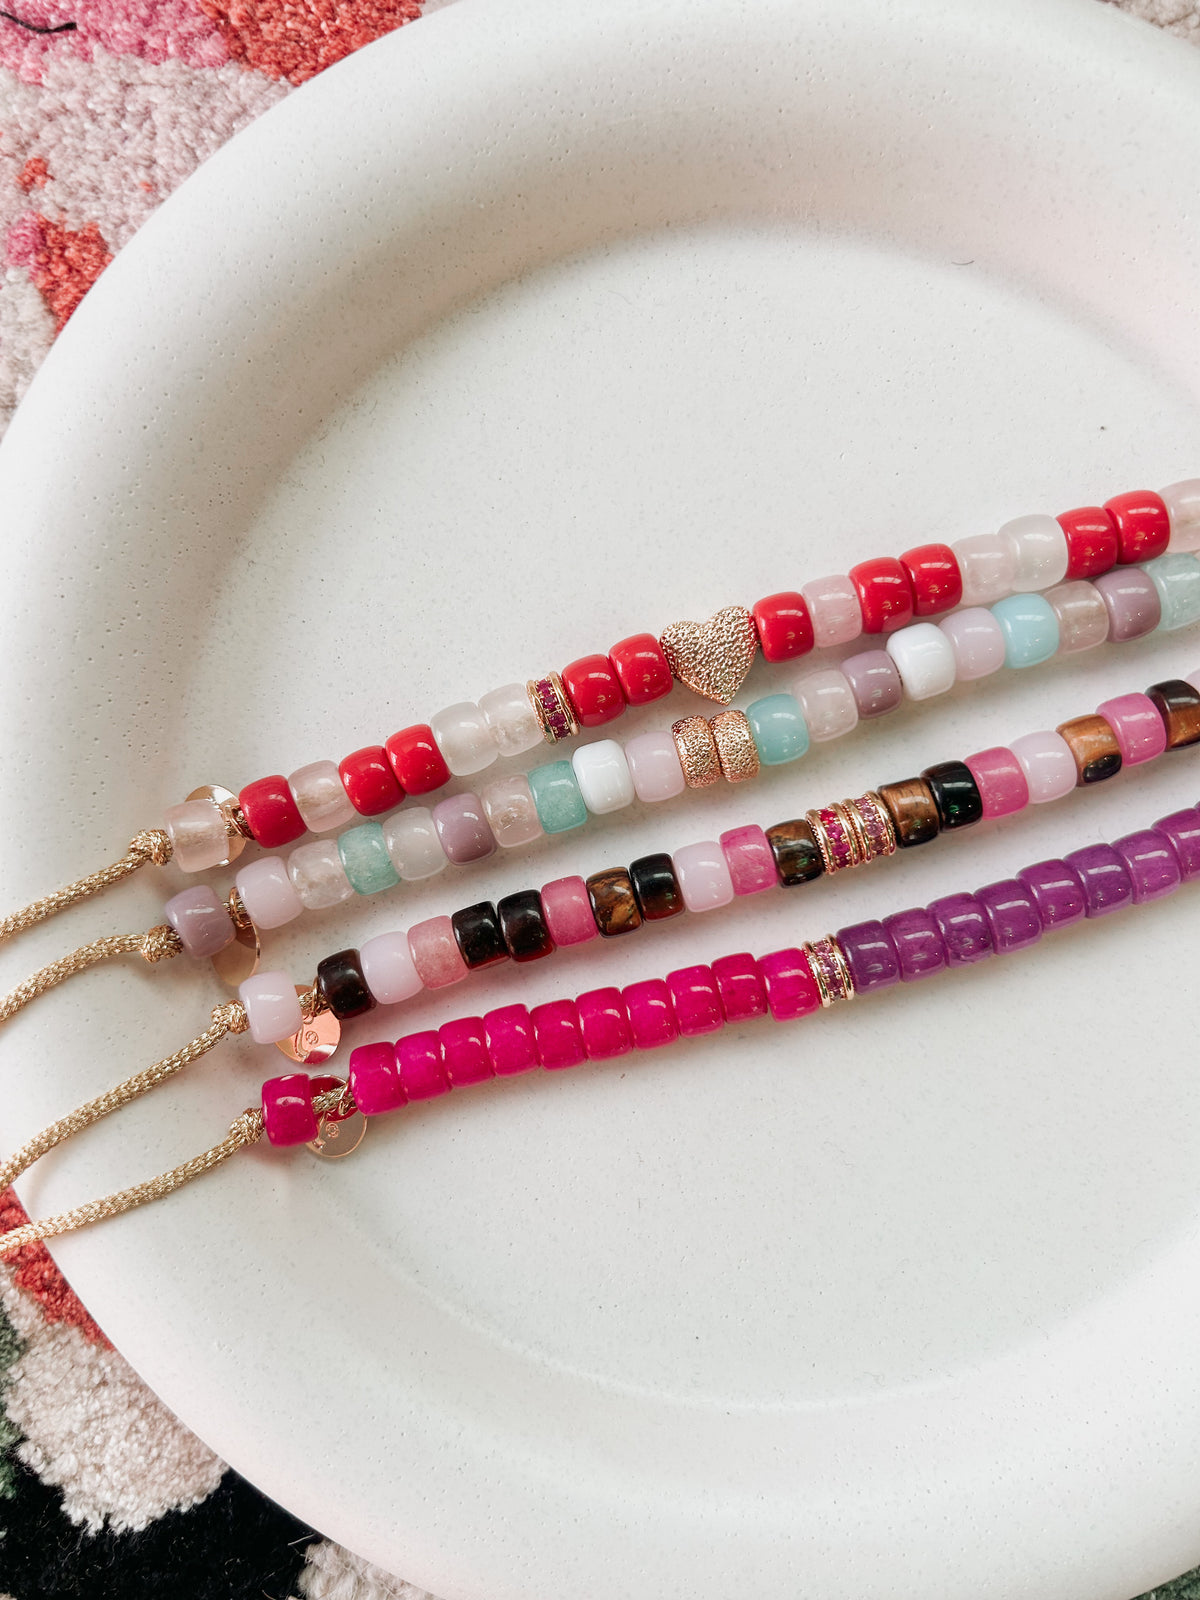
(568, 911)
(654, 766)
(749, 859)
(1182, 501)
(977, 640)
(198, 835)
(1194, 679)
(272, 1006)
(828, 703)
(988, 563)
(704, 877)
(320, 797)
(1082, 615)
(833, 606)
(389, 968)
(1047, 763)
(436, 956)
(267, 892)
(511, 810)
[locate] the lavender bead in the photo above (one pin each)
(963, 925)
(1057, 893)
(1012, 914)
(1134, 607)
(920, 948)
(1107, 885)
(875, 682)
(1152, 862)
(1182, 828)
(201, 920)
(462, 828)
(870, 955)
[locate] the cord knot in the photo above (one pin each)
(231, 1017)
(160, 944)
(152, 844)
(248, 1127)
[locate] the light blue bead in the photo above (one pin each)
(365, 858)
(1030, 629)
(557, 798)
(1176, 576)
(779, 729)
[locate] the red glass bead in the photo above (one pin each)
(369, 781)
(641, 668)
(784, 626)
(1092, 542)
(594, 690)
(1143, 526)
(885, 593)
(270, 811)
(934, 574)
(416, 760)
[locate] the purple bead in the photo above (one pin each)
(201, 920)
(1012, 914)
(1107, 885)
(1152, 862)
(920, 948)
(870, 955)
(1183, 830)
(1057, 893)
(462, 828)
(963, 925)
(875, 682)
(1132, 602)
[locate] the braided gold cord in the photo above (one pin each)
(159, 944)
(152, 844)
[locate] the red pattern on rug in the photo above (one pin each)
(33, 1270)
(296, 39)
(64, 263)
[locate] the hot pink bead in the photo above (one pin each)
(288, 1116)
(1137, 724)
(464, 1049)
(696, 999)
(435, 953)
(749, 859)
(374, 1078)
(703, 874)
(654, 766)
(268, 893)
(791, 988)
(510, 1040)
(568, 911)
(419, 1057)
(1048, 765)
(651, 1014)
(462, 828)
(557, 1034)
(1000, 779)
(388, 966)
(272, 1006)
(604, 1024)
(741, 986)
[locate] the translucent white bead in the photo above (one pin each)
(828, 703)
(198, 836)
(512, 719)
(603, 776)
(464, 738)
(1182, 501)
(318, 876)
(1040, 551)
(413, 844)
(924, 658)
(511, 810)
(988, 564)
(320, 797)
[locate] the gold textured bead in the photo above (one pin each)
(736, 749)
(697, 751)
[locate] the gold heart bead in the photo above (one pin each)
(712, 657)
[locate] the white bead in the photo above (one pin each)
(511, 810)
(464, 738)
(828, 703)
(988, 565)
(1182, 501)
(603, 776)
(320, 797)
(512, 719)
(413, 844)
(318, 876)
(1039, 549)
(924, 659)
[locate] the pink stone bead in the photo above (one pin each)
(462, 829)
(267, 892)
(749, 859)
(1048, 765)
(604, 1024)
(696, 999)
(835, 611)
(288, 1116)
(510, 1040)
(198, 836)
(977, 640)
(704, 877)
(464, 1049)
(651, 1014)
(654, 766)
(557, 1034)
(1001, 781)
(389, 968)
(374, 1079)
(568, 911)
(202, 921)
(435, 953)
(741, 986)
(272, 1006)
(791, 988)
(1139, 729)
(419, 1058)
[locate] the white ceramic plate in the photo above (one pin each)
(527, 328)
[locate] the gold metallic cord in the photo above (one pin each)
(152, 844)
(159, 944)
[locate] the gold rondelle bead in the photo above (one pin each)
(697, 751)
(736, 749)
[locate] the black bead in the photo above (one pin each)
(340, 983)
(656, 886)
(477, 929)
(523, 926)
(955, 793)
(797, 854)
(1179, 706)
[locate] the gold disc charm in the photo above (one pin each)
(338, 1135)
(314, 1040)
(226, 803)
(239, 960)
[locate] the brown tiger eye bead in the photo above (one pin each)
(1178, 704)
(614, 904)
(797, 854)
(1094, 745)
(913, 811)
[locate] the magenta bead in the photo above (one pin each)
(202, 921)
(651, 1014)
(465, 1058)
(791, 988)
(870, 955)
(462, 828)
(920, 948)
(749, 859)
(696, 999)
(557, 1034)
(1182, 828)
(510, 1040)
(419, 1057)
(741, 986)
(704, 877)
(604, 1024)
(1105, 878)
(287, 1113)
(1057, 893)
(1153, 865)
(1000, 779)
(436, 956)
(568, 911)
(1137, 725)
(374, 1079)
(1012, 913)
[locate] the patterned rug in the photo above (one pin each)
(105, 107)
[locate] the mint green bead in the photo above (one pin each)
(365, 859)
(779, 729)
(1176, 576)
(557, 798)
(1030, 629)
